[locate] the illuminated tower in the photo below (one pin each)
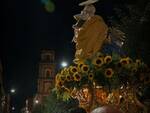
(46, 73)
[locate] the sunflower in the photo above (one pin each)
(64, 71)
(68, 78)
(62, 78)
(73, 69)
(77, 76)
(59, 84)
(129, 60)
(57, 79)
(138, 61)
(57, 76)
(90, 76)
(98, 61)
(109, 72)
(124, 61)
(79, 65)
(85, 68)
(107, 59)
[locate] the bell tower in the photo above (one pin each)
(46, 73)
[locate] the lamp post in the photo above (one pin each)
(12, 92)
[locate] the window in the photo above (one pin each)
(48, 57)
(48, 73)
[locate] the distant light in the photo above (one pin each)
(36, 101)
(12, 90)
(64, 64)
(13, 108)
(120, 96)
(122, 43)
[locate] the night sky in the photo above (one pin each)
(28, 28)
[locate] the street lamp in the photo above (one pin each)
(13, 108)
(36, 101)
(64, 64)
(12, 90)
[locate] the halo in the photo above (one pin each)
(88, 2)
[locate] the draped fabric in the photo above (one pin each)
(90, 37)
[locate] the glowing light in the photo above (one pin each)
(122, 43)
(64, 64)
(13, 108)
(98, 87)
(12, 90)
(36, 101)
(120, 96)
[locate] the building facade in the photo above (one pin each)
(46, 74)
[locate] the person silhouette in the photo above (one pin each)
(78, 110)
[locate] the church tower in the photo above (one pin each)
(46, 73)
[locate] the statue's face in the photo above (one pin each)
(87, 12)
(85, 15)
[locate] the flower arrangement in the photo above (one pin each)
(109, 71)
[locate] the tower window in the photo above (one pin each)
(48, 57)
(48, 73)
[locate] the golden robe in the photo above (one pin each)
(90, 37)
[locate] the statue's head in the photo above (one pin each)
(87, 12)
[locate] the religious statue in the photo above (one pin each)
(90, 32)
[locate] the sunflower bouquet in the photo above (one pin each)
(109, 71)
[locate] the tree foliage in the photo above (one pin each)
(133, 18)
(51, 104)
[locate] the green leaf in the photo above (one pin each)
(66, 96)
(115, 56)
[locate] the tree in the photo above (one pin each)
(51, 104)
(133, 18)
